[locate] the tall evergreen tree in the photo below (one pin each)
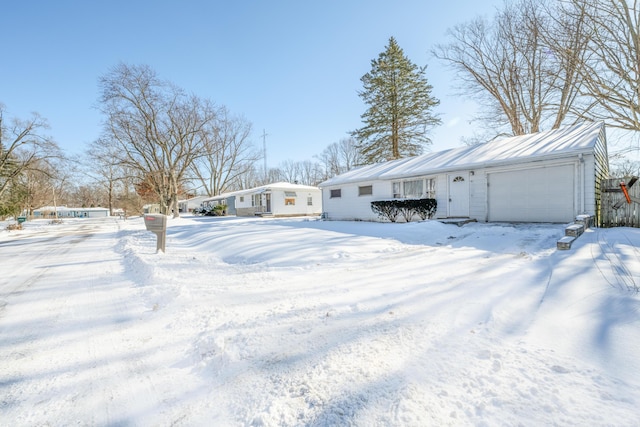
(399, 115)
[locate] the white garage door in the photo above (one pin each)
(532, 195)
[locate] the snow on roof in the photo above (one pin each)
(195, 199)
(286, 186)
(541, 145)
(65, 208)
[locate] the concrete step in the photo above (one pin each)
(574, 230)
(565, 242)
(586, 220)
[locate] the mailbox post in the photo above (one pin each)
(157, 224)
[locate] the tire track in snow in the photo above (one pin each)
(80, 349)
(608, 260)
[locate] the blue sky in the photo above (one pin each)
(291, 68)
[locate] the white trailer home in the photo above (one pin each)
(65, 212)
(549, 176)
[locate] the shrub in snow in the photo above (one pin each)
(385, 209)
(407, 208)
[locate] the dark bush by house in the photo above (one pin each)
(386, 209)
(217, 210)
(407, 208)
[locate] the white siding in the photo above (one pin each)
(351, 206)
(478, 195)
(243, 201)
(441, 196)
(589, 167)
(280, 208)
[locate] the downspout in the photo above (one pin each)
(581, 177)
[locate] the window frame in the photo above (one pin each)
(428, 188)
(365, 190)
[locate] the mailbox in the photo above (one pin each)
(157, 224)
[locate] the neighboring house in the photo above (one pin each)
(227, 199)
(280, 199)
(65, 212)
(188, 205)
(545, 177)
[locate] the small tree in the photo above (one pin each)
(400, 108)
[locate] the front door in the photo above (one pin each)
(459, 194)
(268, 202)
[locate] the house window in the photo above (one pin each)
(290, 194)
(365, 190)
(241, 198)
(431, 188)
(289, 201)
(458, 179)
(309, 201)
(336, 193)
(397, 190)
(415, 189)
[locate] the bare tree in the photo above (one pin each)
(273, 175)
(311, 173)
(23, 147)
(106, 170)
(330, 159)
(126, 197)
(228, 153)
(623, 167)
(522, 66)
(157, 128)
(340, 157)
(611, 72)
(289, 171)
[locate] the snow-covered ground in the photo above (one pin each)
(287, 322)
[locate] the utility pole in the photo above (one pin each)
(264, 152)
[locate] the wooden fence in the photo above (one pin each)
(615, 210)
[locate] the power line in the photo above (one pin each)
(264, 153)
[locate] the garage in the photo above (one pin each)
(544, 194)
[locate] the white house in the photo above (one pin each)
(65, 212)
(280, 199)
(188, 205)
(544, 177)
